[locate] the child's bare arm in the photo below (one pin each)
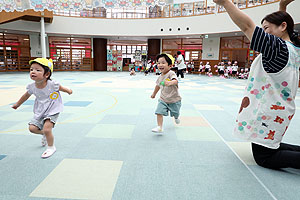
(283, 4)
(64, 89)
(156, 89)
(172, 82)
(23, 98)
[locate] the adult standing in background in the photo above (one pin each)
(180, 64)
(175, 68)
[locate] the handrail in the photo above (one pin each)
(168, 11)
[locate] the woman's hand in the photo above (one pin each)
(283, 4)
(220, 2)
(286, 2)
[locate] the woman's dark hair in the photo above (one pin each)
(46, 70)
(278, 18)
(178, 52)
(169, 61)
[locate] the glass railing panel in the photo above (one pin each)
(187, 9)
(252, 3)
(166, 10)
(176, 10)
(199, 8)
(172, 10)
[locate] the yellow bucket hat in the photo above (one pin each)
(171, 57)
(44, 61)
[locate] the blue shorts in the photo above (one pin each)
(163, 108)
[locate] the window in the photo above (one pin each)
(129, 49)
(124, 49)
(171, 44)
(69, 53)
(187, 9)
(199, 7)
(14, 52)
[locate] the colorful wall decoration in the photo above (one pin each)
(114, 60)
(40, 5)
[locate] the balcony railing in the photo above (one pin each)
(176, 10)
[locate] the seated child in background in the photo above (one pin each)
(221, 69)
(132, 72)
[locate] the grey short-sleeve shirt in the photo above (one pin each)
(168, 94)
(48, 100)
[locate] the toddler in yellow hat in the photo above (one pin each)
(48, 102)
(167, 83)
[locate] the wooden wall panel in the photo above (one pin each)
(29, 15)
(153, 48)
(100, 54)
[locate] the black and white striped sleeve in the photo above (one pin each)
(274, 50)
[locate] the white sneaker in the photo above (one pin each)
(44, 141)
(177, 121)
(49, 152)
(157, 129)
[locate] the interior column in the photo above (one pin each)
(100, 54)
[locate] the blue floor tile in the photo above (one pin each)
(78, 103)
(2, 156)
(78, 82)
(28, 102)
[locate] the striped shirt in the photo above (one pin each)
(274, 50)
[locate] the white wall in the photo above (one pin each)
(206, 24)
(35, 45)
(210, 48)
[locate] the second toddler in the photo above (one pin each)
(48, 103)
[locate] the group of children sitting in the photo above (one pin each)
(228, 70)
(151, 66)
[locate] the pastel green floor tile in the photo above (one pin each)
(80, 179)
(208, 107)
(189, 112)
(186, 88)
(192, 121)
(196, 134)
(18, 129)
(71, 109)
(18, 116)
(235, 86)
(243, 149)
(236, 100)
(111, 131)
(91, 118)
(130, 109)
(120, 90)
(209, 88)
